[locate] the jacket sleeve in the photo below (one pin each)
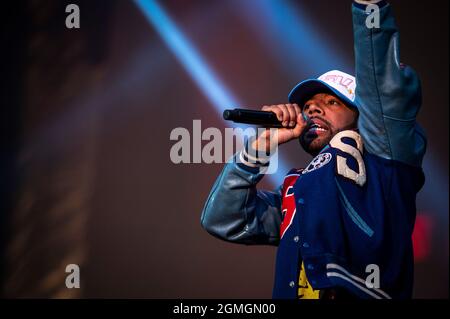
(388, 93)
(236, 211)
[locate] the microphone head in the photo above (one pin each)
(227, 115)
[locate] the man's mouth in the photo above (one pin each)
(316, 127)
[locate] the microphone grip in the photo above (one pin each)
(245, 116)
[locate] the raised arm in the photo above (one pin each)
(388, 92)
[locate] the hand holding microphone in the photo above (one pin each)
(288, 118)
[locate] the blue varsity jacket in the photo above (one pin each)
(353, 206)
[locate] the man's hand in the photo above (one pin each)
(293, 124)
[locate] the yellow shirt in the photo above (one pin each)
(305, 290)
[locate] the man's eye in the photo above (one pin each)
(333, 102)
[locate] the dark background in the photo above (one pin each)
(85, 122)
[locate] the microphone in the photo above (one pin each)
(262, 118)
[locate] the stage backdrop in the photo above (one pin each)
(89, 113)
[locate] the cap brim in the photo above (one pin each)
(303, 91)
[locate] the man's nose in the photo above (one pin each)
(314, 108)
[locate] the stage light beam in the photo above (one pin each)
(197, 67)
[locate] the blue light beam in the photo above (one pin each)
(189, 57)
(195, 65)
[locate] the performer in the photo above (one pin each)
(343, 225)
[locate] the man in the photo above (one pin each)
(343, 224)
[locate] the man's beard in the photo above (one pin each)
(315, 145)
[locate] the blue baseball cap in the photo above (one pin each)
(336, 82)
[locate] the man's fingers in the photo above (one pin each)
(298, 110)
(301, 119)
(292, 119)
(292, 115)
(286, 115)
(301, 123)
(278, 112)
